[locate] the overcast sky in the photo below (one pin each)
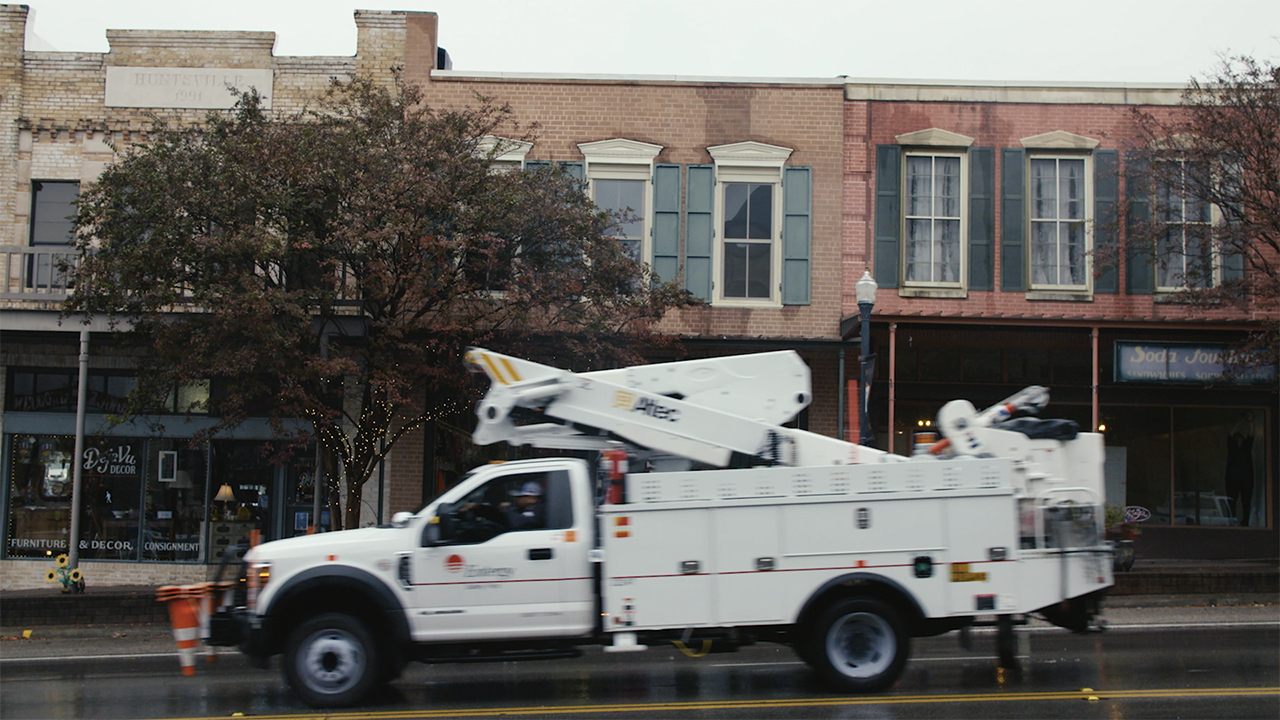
(1128, 41)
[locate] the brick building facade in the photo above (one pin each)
(987, 214)
(767, 197)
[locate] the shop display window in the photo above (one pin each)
(1192, 466)
(40, 491)
(175, 519)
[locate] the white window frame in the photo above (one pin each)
(962, 218)
(1215, 274)
(1086, 221)
(623, 159)
(753, 163)
(934, 142)
(1060, 144)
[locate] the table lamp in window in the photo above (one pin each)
(225, 496)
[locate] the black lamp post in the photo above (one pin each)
(865, 289)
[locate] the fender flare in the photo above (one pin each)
(817, 596)
(346, 577)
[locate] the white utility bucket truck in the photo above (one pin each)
(708, 524)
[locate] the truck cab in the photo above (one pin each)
(478, 574)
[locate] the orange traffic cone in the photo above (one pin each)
(183, 609)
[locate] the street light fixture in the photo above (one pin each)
(865, 290)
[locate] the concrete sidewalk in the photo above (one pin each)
(1151, 583)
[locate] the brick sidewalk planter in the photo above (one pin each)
(1197, 581)
(90, 608)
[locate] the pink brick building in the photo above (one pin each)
(989, 216)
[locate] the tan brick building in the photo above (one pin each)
(758, 159)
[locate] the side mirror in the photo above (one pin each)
(401, 519)
(439, 529)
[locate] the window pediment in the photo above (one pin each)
(935, 137)
(750, 154)
(505, 150)
(1059, 140)
(620, 151)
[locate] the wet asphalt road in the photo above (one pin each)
(1207, 662)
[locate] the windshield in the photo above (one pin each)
(436, 496)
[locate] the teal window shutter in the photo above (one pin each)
(982, 218)
(699, 238)
(797, 198)
(665, 229)
(574, 169)
(1013, 219)
(1106, 196)
(536, 164)
(1139, 270)
(888, 219)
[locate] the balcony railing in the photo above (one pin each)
(43, 274)
(36, 273)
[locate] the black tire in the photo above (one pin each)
(857, 645)
(331, 661)
(1006, 642)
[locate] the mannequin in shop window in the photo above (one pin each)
(1239, 475)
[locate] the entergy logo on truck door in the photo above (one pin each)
(646, 406)
(455, 564)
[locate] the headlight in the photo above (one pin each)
(259, 574)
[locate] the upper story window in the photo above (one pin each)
(927, 184)
(1184, 252)
(934, 217)
(1059, 212)
(53, 211)
(1059, 222)
(624, 199)
(748, 240)
(749, 204)
(619, 175)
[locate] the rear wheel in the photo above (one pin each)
(330, 661)
(858, 645)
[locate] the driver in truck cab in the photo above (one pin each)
(528, 512)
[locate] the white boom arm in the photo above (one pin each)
(703, 410)
(971, 433)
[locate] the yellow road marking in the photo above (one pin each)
(1092, 695)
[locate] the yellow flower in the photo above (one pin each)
(51, 576)
(76, 575)
(61, 560)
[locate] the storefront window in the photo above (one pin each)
(174, 525)
(300, 487)
(1138, 466)
(241, 501)
(1187, 466)
(1215, 467)
(40, 489)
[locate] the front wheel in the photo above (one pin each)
(330, 662)
(858, 645)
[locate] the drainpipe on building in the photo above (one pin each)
(77, 468)
(893, 377)
(840, 397)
